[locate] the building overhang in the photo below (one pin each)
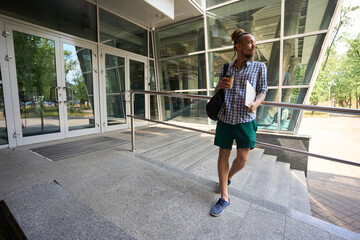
(149, 15)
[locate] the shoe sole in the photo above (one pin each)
(217, 215)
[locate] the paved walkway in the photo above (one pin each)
(334, 188)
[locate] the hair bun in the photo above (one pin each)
(236, 32)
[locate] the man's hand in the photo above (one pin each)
(254, 105)
(223, 84)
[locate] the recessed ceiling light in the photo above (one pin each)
(160, 15)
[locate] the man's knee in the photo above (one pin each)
(241, 160)
(242, 155)
(224, 154)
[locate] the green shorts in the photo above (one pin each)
(243, 133)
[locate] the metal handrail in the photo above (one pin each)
(287, 105)
(275, 104)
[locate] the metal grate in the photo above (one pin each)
(70, 149)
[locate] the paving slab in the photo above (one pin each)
(48, 211)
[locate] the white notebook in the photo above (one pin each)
(250, 94)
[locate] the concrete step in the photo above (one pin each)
(48, 211)
(299, 198)
(279, 186)
(199, 155)
(192, 145)
(208, 169)
(258, 181)
(163, 143)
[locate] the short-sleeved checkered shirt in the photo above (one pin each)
(234, 110)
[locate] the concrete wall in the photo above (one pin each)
(296, 160)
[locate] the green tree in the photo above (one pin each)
(339, 74)
(326, 79)
(345, 20)
(352, 68)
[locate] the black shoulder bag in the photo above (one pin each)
(214, 105)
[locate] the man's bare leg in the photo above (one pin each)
(223, 171)
(239, 162)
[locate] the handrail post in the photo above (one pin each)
(132, 100)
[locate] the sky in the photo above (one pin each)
(354, 29)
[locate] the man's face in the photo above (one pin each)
(247, 45)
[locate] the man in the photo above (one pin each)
(237, 121)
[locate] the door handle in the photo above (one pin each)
(56, 94)
(8, 58)
(72, 93)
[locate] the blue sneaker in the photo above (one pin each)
(219, 207)
(219, 188)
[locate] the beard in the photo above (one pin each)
(248, 56)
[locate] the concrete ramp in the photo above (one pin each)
(48, 211)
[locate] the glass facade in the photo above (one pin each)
(183, 73)
(261, 18)
(77, 18)
(303, 16)
(185, 57)
(185, 110)
(119, 33)
(180, 40)
(290, 50)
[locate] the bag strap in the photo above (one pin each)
(226, 67)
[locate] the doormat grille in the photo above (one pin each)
(70, 149)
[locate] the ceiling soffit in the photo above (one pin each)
(143, 14)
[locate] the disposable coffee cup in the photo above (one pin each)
(230, 80)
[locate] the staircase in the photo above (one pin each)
(263, 177)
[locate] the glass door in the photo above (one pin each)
(3, 128)
(36, 87)
(80, 88)
(121, 73)
(54, 87)
(138, 81)
(113, 87)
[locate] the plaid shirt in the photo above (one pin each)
(233, 111)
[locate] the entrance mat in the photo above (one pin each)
(70, 149)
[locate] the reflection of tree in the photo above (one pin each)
(70, 64)
(85, 89)
(77, 64)
(80, 91)
(35, 68)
